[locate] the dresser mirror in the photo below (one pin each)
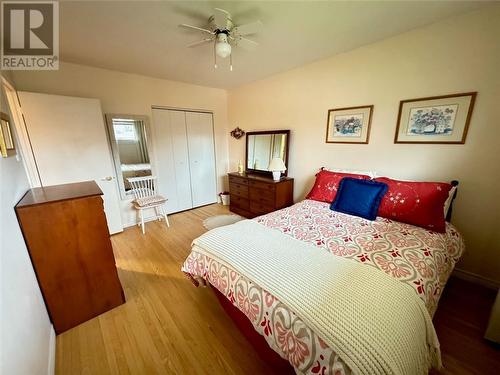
(264, 146)
(129, 143)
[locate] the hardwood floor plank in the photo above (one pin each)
(114, 358)
(93, 361)
(167, 326)
(460, 323)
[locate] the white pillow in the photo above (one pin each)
(447, 203)
(371, 174)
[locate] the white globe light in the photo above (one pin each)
(222, 47)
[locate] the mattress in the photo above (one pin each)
(417, 257)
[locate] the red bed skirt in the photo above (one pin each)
(273, 359)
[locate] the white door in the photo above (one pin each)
(172, 154)
(165, 170)
(201, 148)
(181, 160)
(69, 143)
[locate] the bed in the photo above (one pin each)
(420, 260)
(134, 170)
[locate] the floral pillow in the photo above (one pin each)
(417, 203)
(327, 183)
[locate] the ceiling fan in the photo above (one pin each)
(225, 34)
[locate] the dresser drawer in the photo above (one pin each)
(238, 180)
(262, 196)
(262, 185)
(241, 212)
(240, 202)
(255, 195)
(238, 189)
(260, 208)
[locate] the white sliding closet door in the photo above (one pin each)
(181, 159)
(174, 181)
(185, 152)
(200, 136)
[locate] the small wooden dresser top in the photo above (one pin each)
(59, 193)
(264, 178)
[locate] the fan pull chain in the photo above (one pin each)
(231, 62)
(215, 54)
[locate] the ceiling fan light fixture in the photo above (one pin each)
(222, 47)
(221, 30)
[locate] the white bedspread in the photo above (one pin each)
(376, 323)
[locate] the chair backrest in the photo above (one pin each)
(143, 187)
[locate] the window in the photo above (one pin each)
(125, 130)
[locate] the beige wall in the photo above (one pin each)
(27, 339)
(124, 93)
(456, 55)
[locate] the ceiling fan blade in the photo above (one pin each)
(196, 15)
(249, 28)
(246, 43)
(194, 44)
(221, 17)
(196, 28)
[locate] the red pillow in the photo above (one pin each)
(416, 203)
(327, 183)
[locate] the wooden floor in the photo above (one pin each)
(460, 321)
(168, 326)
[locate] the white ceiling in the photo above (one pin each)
(143, 37)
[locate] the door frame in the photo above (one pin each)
(24, 146)
(166, 107)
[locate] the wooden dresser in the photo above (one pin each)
(252, 195)
(67, 236)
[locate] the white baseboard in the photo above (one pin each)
(51, 368)
(476, 279)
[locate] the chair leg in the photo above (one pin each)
(142, 222)
(165, 215)
(158, 216)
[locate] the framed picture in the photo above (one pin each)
(349, 125)
(6, 141)
(437, 119)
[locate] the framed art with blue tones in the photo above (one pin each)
(349, 125)
(437, 119)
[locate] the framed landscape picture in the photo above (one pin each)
(349, 125)
(437, 119)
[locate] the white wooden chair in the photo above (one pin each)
(145, 197)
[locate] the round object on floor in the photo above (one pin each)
(221, 220)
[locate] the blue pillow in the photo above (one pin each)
(359, 197)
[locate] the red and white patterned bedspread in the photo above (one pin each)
(420, 258)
